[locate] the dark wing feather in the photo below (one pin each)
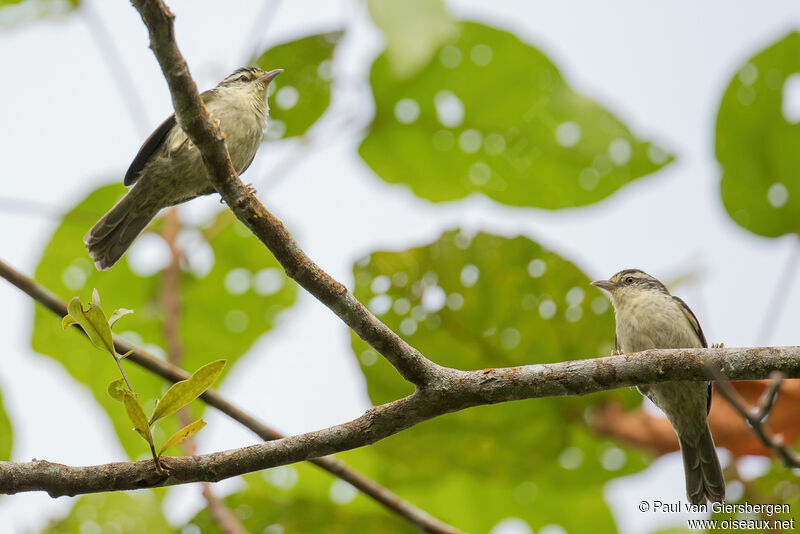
(692, 320)
(148, 148)
(697, 330)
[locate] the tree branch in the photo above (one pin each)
(462, 389)
(205, 134)
(336, 467)
(756, 418)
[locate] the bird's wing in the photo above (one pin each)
(692, 321)
(148, 148)
(697, 330)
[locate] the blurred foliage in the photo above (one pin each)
(460, 108)
(122, 512)
(226, 306)
(757, 145)
(18, 12)
(303, 91)
(487, 301)
(302, 498)
(414, 31)
(6, 434)
(473, 121)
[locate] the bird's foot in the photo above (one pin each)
(717, 345)
(616, 352)
(251, 189)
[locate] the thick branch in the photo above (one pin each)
(170, 372)
(194, 119)
(462, 389)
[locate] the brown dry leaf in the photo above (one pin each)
(730, 431)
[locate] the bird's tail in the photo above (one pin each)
(114, 233)
(704, 478)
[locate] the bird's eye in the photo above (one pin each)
(629, 280)
(241, 78)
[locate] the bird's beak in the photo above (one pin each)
(269, 76)
(608, 285)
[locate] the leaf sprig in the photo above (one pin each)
(92, 319)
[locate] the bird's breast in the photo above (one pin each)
(652, 322)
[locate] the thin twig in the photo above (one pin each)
(170, 294)
(259, 26)
(755, 417)
(781, 294)
(104, 44)
(336, 467)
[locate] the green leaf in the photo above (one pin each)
(189, 430)
(117, 388)
(757, 146)
(229, 300)
(6, 434)
(122, 512)
(67, 321)
(94, 323)
(300, 498)
(119, 312)
(14, 13)
(480, 301)
(414, 30)
(136, 415)
(474, 120)
(183, 392)
(303, 91)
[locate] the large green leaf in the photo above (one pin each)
(223, 311)
(303, 499)
(303, 91)
(121, 512)
(486, 301)
(757, 147)
(491, 114)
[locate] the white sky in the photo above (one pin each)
(661, 67)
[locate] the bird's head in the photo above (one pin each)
(251, 77)
(250, 83)
(630, 283)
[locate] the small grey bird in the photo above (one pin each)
(169, 170)
(648, 317)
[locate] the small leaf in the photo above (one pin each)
(116, 314)
(189, 430)
(67, 321)
(136, 415)
(94, 323)
(96, 298)
(185, 391)
(127, 354)
(117, 388)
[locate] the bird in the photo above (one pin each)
(169, 170)
(649, 317)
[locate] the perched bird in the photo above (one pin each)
(648, 317)
(169, 169)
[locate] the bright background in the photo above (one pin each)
(661, 68)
